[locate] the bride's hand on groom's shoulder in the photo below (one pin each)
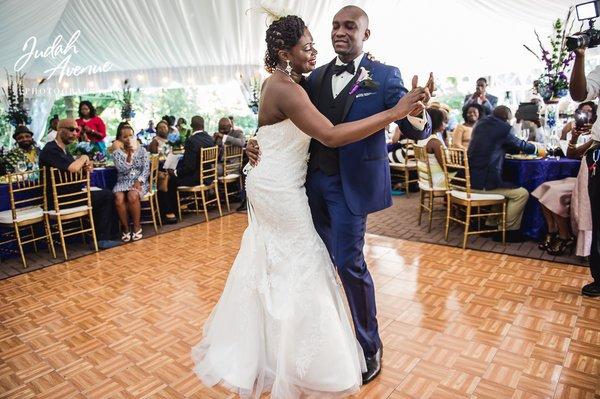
(253, 152)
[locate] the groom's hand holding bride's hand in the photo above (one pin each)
(253, 151)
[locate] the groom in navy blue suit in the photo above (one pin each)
(345, 184)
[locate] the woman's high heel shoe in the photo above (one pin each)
(547, 241)
(561, 245)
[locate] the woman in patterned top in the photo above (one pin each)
(133, 167)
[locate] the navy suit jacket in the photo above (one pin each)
(188, 169)
(364, 165)
(490, 141)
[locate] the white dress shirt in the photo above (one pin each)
(338, 82)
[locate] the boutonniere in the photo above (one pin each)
(365, 80)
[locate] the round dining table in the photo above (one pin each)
(530, 174)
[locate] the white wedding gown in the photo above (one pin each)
(281, 324)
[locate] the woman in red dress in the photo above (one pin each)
(92, 126)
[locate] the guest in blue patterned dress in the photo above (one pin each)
(133, 166)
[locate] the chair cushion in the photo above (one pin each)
(32, 212)
(477, 196)
(148, 195)
(231, 176)
(409, 164)
(423, 185)
(68, 211)
(194, 188)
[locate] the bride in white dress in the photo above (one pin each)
(281, 324)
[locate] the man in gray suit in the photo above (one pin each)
(227, 135)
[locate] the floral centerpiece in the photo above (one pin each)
(251, 90)
(127, 112)
(15, 100)
(92, 150)
(175, 141)
(553, 83)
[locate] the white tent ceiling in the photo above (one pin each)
(181, 42)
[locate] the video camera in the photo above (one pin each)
(590, 38)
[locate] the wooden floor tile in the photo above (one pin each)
(455, 324)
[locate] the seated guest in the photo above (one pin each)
(481, 97)
(55, 155)
(184, 131)
(150, 129)
(434, 145)
(159, 141)
(145, 135)
(227, 135)
(558, 196)
(188, 169)
(491, 139)
(587, 107)
(462, 134)
(26, 153)
(133, 167)
(51, 135)
(92, 126)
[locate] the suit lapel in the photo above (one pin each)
(366, 63)
(319, 83)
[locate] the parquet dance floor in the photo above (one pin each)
(455, 324)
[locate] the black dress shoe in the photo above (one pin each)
(373, 367)
(243, 206)
(591, 289)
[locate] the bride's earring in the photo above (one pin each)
(288, 68)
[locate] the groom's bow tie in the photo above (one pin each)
(340, 69)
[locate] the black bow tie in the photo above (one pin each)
(340, 69)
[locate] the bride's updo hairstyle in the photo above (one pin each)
(282, 34)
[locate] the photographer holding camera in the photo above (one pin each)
(587, 88)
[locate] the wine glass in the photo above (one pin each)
(552, 146)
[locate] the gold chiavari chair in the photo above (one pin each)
(208, 171)
(456, 169)
(232, 167)
(27, 204)
(72, 202)
(402, 170)
(427, 189)
(150, 200)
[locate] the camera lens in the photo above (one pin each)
(576, 41)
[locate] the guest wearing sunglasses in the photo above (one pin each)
(55, 155)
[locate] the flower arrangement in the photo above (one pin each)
(174, 140)
(83, 148)
(553, 82)
(251, 91)
(14, 96)
(127, 111)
